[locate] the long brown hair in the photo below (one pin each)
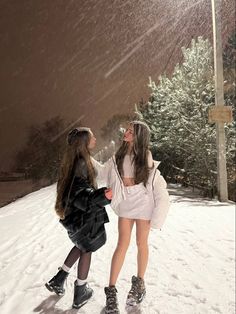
(77, 148)
(139, 151)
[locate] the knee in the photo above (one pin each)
(142, 244)
(122, 245)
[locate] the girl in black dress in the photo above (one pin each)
(80, 206)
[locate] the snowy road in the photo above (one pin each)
(191, 266)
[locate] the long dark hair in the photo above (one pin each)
(77, 149)
(139, 151)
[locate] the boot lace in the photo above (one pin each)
(134, 291)
(111, 299)
(137, 289)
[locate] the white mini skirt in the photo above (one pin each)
(137, 205)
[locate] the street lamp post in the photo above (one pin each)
(219, 102)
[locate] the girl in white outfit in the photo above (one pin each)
(139, 197)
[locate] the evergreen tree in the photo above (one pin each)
(178, 117)
(177, 113)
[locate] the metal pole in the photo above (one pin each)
(219, 101)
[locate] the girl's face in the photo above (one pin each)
(92, 141)
(129, 134)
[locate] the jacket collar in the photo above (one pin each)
(156, 163)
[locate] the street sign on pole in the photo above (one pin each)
(220, 114)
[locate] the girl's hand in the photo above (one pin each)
(108, 194)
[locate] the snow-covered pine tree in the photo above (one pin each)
(178, 116)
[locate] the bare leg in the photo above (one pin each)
(125, 226)
(142, 233)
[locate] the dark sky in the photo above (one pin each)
(91, 58)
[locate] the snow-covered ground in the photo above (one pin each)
(190, 271)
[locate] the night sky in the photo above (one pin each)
(91, 58)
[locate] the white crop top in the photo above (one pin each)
(128, 165)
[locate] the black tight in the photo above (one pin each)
(72, 257)
(83, 264)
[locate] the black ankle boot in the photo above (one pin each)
(56, 284)
(81, 295)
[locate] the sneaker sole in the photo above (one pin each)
(51, 289)
(132, 302)
(109, 312)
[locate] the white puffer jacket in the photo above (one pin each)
(156, 186)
